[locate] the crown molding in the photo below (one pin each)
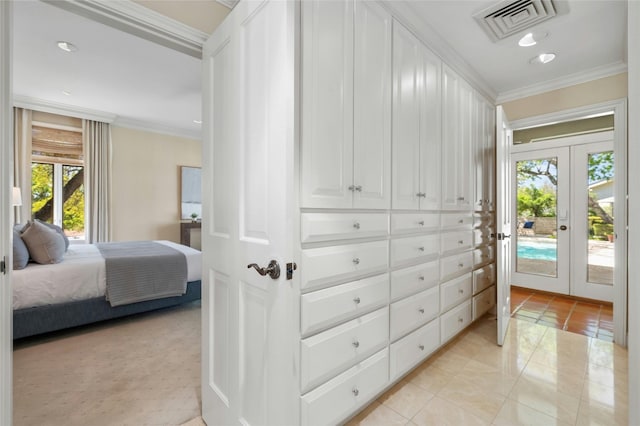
(140, 21)
(561, 83)
(148, 126)
(228, 3)
(62, 109)
(403, 12)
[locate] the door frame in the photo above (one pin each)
(619, 108)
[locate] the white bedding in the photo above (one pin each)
(80, 276)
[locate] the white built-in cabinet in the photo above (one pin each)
(346, 121)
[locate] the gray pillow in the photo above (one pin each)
(58, 230)
(45, 245)
(20, 252)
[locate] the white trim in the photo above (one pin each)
(228, 3)
(619, 108)
(156, 128)
(138, 20)
(36, 104)
(403, 12)
(562, 82)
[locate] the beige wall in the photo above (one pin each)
(146, 179)
(589, 93)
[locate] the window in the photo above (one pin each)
(57, 178)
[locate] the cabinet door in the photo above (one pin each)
(450, 138)
(489, 163)
(406, 119)
(430, 131)
(465, 144)
(327, 104)
(479, 200)
(372, 107)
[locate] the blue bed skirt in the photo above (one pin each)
(43, 319)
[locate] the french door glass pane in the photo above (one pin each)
(536, 212)
(600, 249)
(42, 191)
(73, 206)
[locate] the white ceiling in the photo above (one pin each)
(141, 82)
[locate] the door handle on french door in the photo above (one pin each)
(273, 270)
(503, 236)
(563, 227)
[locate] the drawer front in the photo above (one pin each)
(414, 249)
(324, 265)
(324, 308)
(452, 242)
(343, 395)
(455, 321)
(483, 255)
(456, 220)
(412, 349)
(414, 279)
(484, 277)
(414, 222)
(455, 265)
(339, 226)
(483, 302)
(410, 313)
(482, 236)
(455, 291)
(326, 354)
(482, 220)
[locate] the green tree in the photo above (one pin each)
(535, 201)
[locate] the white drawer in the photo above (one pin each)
(456, 220)
(414, 279)
(483, 255)
(340, 226)
(484, 277)
(455, 291)
(410, 313)
(483, 302)
(326, 354)
(482, 220)
(456, 241)
(343, 395)
(482, 236)
(414, 222)
(324, 265)
(412, 349)
(414, 249)
(455, 321)
(323, 308)
(455, 265)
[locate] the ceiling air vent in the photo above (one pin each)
(510, 17)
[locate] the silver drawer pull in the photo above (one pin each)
(421, 310)
(420, 248)
(421, 277)
(460, 320)
(460, 265)
(356, 225)
(355, 391)
(421, 223)
(421, 194)
(356, 261)
(421, 347)
(460, 241)
(356, 300)
(352, 188)
(461, 221)
(461, 291)
(356, 344)
(460, 198)
(358, 188)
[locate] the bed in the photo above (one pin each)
(73, 292)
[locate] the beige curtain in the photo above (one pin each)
(96, 138)
(22, 161)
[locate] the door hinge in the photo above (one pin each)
(3, 265)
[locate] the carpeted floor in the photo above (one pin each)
(140, 370)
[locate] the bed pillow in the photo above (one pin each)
(58, 230)
(20, 252)
(45, 245)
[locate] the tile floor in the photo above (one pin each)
(541, 376)
(591, 319)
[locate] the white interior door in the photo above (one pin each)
(504, 136)
(248, 217)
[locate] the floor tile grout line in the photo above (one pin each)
(522, 304)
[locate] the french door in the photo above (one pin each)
(563, 225)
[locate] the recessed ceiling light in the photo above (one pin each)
(543, 58)
(197, 121)
(67, 47)
(531, 39)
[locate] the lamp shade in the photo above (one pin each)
(16, 197)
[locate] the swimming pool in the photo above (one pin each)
(537, 250)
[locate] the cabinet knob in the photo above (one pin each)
(421, 347)
(421, 277)
(421, 223)
(460, 242)
(356, 261)
(420, 248)
(355, 391)
(421, 310)
(351, 188)
(460, 198)
(358, 188)
(356, 225)
(461, 221)
(356, 344)
(356, 300)
(460, 320)
(421, 195)
(461, 291)
(460, 265)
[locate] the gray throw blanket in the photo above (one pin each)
(142, 270)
